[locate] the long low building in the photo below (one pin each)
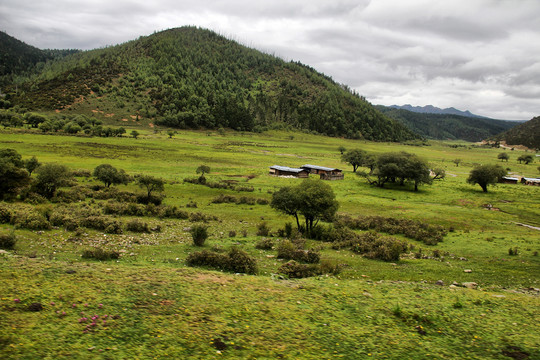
(325, 172)
(277, 170)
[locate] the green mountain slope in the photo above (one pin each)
(194, 78)
(448, 126)
(17, 58)
(526, 134)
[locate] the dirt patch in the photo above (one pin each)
(109, 115)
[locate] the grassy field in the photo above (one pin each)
(151, 305)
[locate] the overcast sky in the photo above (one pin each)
(477, 55)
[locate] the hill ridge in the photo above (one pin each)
(190, 77)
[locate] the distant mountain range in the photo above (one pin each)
(430, 109)
(448, 126)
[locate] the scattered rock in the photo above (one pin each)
(470, 285)
(452, 286)
(439, 282)
(463, 259)
(70, 271)
(35, 307)
(366, 294)
(218, 344)
(467, 271)
(499, 296)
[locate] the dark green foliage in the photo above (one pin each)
(100, 254)
(427, 233)
(13, 175)
(235, 260)
(289, 251)
(355, 157)
(485, 175)
(313, 199)
(28, 217)
(203, 169)
(264, 244)
(110, 175)
(138, 226)
(31, 164)
(5, 214)
(527, 159)
(194, 78)
(8, 241)
(399, 168)
(150, 183)
(50, 177)
(447, 126)
(513, 251)
(526, 134)
(503, 156)
(295, 270)
(199, 234)
(263, 229)
(380, 248)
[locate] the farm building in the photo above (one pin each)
(324, 172)
(509, 180)
(277, 170)
(530, 181)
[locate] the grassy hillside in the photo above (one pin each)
(526, 134)
(447, 126)
(150, 304)
(194, 78)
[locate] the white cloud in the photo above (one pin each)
(477, 55)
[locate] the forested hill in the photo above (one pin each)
(526, 134)
(194, 78)
(447, 126)
(18, 58)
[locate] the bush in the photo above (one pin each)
(5, 214)
(375, 247)
(240, 262)
(199, 233)
(100, 254)
(138, 226)
(264, 244)
(235, 260)
(232, 233)
(28, 218)
(172, 212)
(263, 229)
(198, 216)
(8, 241)
(152, 199)
(295, 270)
(287, 250)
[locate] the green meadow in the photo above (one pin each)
(149, 304)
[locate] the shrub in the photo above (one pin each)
(262, 202)
(172, 212)
(136, 225)
(100, 254)
(287, 250)
(8, 241)
(28, 218)
(199, 233)
(386, 249)
(222, 198)
(263, 229)
(513, 251)
(295, 270)
(235, 260)
(5, 214)
(150, 199)
(240, 262)
(198, 216)
(264, 244)
(232, 233)
(81, 173)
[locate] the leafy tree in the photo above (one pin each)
(313, 199)
(342, 149)
(109, 175)
(355, 157)
(150, 183)
(525, 158)
(50, 177)
(13, 176)
(134, 134)
(171, 133)
(34, 119)
(485, 175)
(503, 156)
(438, 174)
(119, 131)
(203, 169)
(31, 164)
(457, 161)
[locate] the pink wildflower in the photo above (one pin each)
(17, 300)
